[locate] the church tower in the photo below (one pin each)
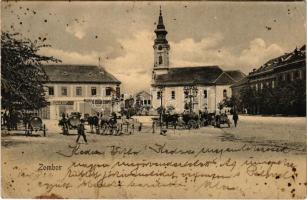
(161, 49)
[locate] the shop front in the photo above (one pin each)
(85, 107)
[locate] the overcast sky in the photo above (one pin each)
(241, 35)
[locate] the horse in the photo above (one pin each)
(93, 121)
(170, 119)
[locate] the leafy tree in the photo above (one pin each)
(22, 76)
(299, 97)
(287, 98)
(248, 99)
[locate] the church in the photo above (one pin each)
(187, 88)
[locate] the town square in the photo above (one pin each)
(153, 100)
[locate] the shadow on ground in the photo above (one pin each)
(297, 147)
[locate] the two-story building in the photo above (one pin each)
(86, 89)
(287, 68)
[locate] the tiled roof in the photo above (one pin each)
(241, 82)
(142, 93)
(204, 75)
(236, 75)
(79, 74)
(297, 54)
(224, 79)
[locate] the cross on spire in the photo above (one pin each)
(160, 21)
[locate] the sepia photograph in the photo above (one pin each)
(153, 99)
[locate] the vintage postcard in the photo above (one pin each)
(150, 99)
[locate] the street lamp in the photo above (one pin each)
(161, 89)
(113, 100)
(191, 93)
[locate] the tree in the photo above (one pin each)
(248, 99)
(22, 76)
(287, 98)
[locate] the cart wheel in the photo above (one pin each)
(97, 131)
(44, 129)
(192, 124)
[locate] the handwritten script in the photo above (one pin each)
(230, 172)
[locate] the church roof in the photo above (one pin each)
(202, 75)
(236, 75)
(242, 82)
(224, 79)
(79, 74)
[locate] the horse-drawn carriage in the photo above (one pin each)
(184, 120)
(35, 124)
(25, 120)
(192, 120)
(221, 119)
(72, 123)
(105, 125)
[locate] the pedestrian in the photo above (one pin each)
(14, 120)
(64, 123)
(81, 131)
(5, 117)
(235, 117)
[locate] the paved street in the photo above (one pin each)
(266, 132)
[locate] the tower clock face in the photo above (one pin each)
(160, 47)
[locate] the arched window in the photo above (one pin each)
(225, 93)
(205, 94)
(160, 60)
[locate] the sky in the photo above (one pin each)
(232, 35)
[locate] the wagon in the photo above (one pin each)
(71, 123)
(191, 120)
(221, 119)
(74, 121)
(35, 124)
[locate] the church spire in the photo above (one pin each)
(160, 30)
(160, 22)
(161, 48)
(160, 26)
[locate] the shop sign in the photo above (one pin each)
(106, 101)
(93, 101)
(62, 103)
(97, 101)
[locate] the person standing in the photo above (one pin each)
(81, 131)
(5, 116)
(235, 117)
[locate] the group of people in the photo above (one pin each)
(96, 120)
(64, 122)
(235, 117)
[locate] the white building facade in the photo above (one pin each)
(77, 88)
(209, 85)
(206, 97)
